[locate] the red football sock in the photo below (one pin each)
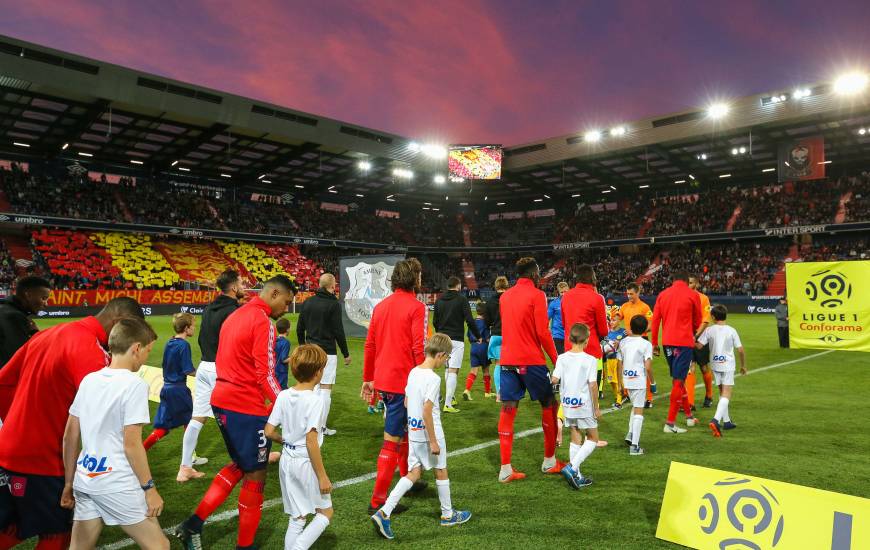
(676, 398)
(487, 383)
(403, 456)
(506, 433)
(54, 542)
(155, 436)
(708, 384)
(469, 381)
(250, 510)
(548, 423)
(221, 487)
(9, 538)
(387, 460)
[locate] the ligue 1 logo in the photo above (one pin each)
(741, 514)
(829, 288)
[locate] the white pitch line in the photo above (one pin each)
(230, 514)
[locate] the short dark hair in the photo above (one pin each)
(306, 360)
(579, 333)
(633, 286)
(638, 325)
(680, 275)
(526, 266)
(404, 275)
(121, 307)
(453, 282)
(31, 282)
(719, 312)
(227, 279)
(129, 331)
(282, 325)
(284, 282)
(585, 274)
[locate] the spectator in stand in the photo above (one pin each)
(16, 326)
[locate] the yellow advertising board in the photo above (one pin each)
(153, 376)
(829, 305)
(705, 508)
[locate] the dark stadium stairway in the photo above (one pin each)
(19, 247)
(842, 208)
(776, 287)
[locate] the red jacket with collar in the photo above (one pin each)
(525, 326)
(582, 304)
(678, 310)
(245, 361)
(394, 344)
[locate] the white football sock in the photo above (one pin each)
(721, 409)
(450, 378)
(311, 533)
(583, 453)
(294, 529)
(630, 421)
(572, 451)
(326, 395)
(506, 470)
(443, 486)
(188, 442)
(636, 427)
(396, 495)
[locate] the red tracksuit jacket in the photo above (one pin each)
(582, 304)
(245, 361)
(525, 326)
(394, 344)
(678, 310)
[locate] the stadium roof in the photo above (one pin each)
(66, 106)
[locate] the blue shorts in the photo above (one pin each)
(479, 357)
(31, 504)
(395, 414)
(176, 407)
(494, 350)
(281, 374)
(679, 360)
(516, 380)
(245, 438)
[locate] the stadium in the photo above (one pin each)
(116, 182)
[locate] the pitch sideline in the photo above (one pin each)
(229, 514)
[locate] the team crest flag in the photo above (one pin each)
(713, 509)
(802, 159)
(829, 305)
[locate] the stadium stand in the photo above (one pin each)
(75, 261)
(137, 260)
(7, 267)
(261, 265)
(305, 270)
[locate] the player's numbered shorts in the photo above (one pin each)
(419, 455)
(702, 356)
(245, 438)
(395, 414)
(494, 349)
(121, 508)
(330, 371)
(515, 381)
(456, 355)
(611, 371)
(206, 377)
(300, 489)
(679, 360)
(590, 423)
(637, 398)
(723, 377)
(31, 503)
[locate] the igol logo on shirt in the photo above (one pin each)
(416, 424)
(829, 288)
(95, 466)
(741, 513)
(572, 402)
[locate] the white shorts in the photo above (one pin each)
(456, 355)
(723, 378)
(582, 423)
(300, 489)
(330, 370)
(206, 376)
(419, 455)
(121, 508)
(637, 398)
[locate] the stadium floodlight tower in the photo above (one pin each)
(851, 83)
(718, 110)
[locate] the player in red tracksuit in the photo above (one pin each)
(525, 330)
(678, 311)
(243, 396)
(394, 346)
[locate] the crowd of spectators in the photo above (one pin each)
(858, 207)
(7, 267)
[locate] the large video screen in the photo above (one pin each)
(475, 162)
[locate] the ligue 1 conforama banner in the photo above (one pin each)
(802, 159)
(364, 282)
(829, 305)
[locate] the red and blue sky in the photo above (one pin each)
(508, 71)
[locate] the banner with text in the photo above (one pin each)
(705, 508)
(84, 298)
(365, 281)
(829, 305)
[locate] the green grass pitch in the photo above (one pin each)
(800, 423)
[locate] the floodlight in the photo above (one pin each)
(440, 178)
(851, 83)
(717, 110)
(592, 135)
(414, 146)
(364, 165)
(618, 131)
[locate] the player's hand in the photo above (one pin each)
(366, 391)
(597, 412)
(347, 361)
(743, 371)
(67, 500)
(657, 351)
(325, 486)
(691, 369)
(154, 502)
(434, 448)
